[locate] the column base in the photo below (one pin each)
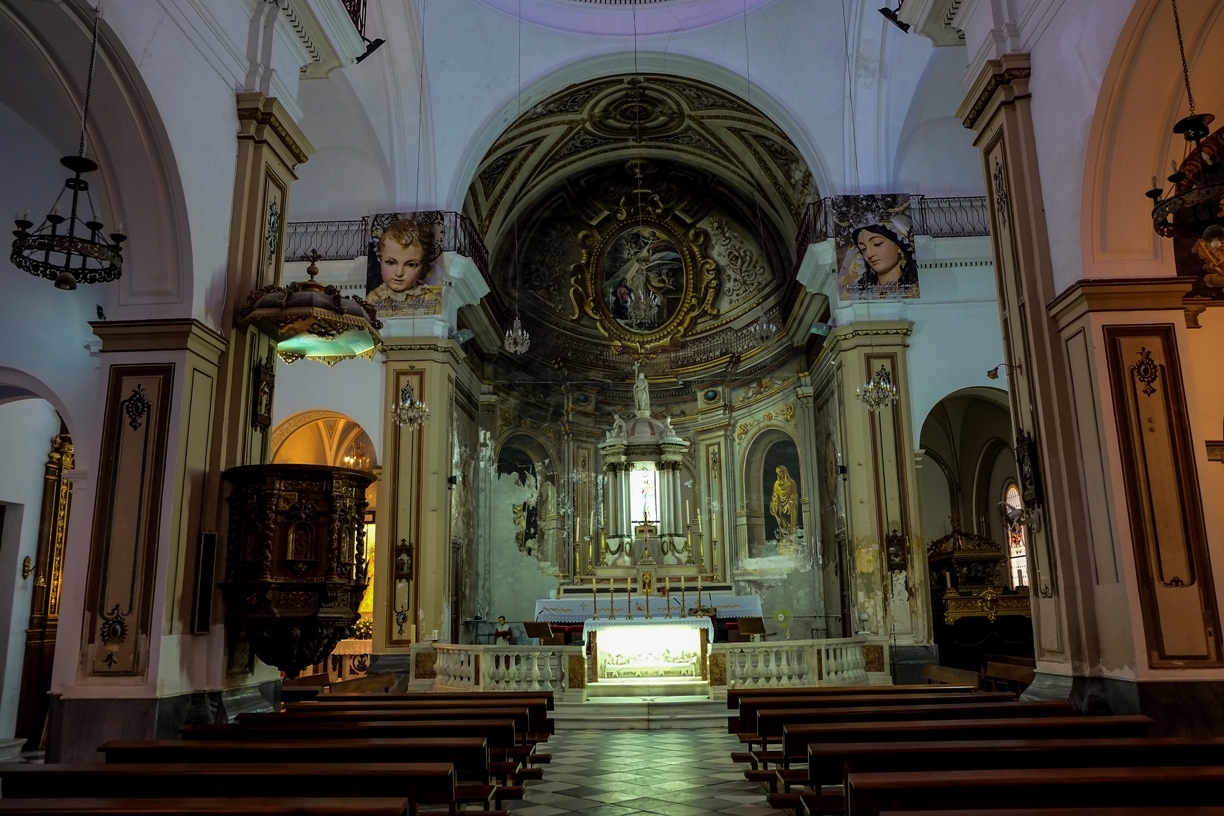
(78, 725)
(1180, 708)
(907, 663)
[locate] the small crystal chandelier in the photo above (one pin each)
(67, 257)
(356, 457)
(762, 332)
(517, 339)
(410, 411)
(879, 392)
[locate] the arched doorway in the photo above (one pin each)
(36, 459)
(967, 472)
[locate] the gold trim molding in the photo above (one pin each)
(257, 111)
(1118, 295)
(1011, 71)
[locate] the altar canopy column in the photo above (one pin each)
(887, 569)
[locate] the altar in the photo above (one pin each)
(661, 655)
(618, 604)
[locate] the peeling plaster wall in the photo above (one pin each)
(516, 580)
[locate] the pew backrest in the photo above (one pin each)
(770, 722)
(750, 706)
(735, 695)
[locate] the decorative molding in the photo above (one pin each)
(1118, 295)
(1011, 70)
(160, 335)
(1162, 500)
(258, 114)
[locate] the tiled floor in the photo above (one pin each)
(657, 773)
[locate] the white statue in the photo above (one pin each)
(618, 428)
(641, 392)
(668, 431)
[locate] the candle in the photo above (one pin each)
(666, 585)
(688, 518)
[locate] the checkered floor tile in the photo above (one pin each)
(654, 773)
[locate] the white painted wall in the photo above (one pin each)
(353, 388)
(26, 429)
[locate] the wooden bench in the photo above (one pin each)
(1009, 676)
(773, 724)
(870, 794)
(735, 695)
(830, 764)
(950, 676)
(521, 717)
(749, 706)
(541, 724)
(422, 783)
(1161, 810)
(474, 772)
(268, 806)
(332, 699)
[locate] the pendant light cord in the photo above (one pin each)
(1181, 47)
(93, 53)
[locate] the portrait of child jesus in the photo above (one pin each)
(401, 259)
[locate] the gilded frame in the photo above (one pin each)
(698, 295)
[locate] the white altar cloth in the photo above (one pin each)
(691, 623)
(580, 610)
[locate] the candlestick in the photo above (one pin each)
(594, 600)
(603, 548)
(683, 604)
(667, 593)
(628, 599)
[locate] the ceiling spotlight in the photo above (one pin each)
(371, 47)
(891, 16)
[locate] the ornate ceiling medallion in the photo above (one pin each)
(644, 281)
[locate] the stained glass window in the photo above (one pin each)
(1017, 549)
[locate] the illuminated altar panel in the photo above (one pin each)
(640, 651)
(643, 490)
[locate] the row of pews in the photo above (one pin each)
(945, 749)
(338, 755)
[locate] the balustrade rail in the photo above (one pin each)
(790, 663)
(952, 217)
(464, 667)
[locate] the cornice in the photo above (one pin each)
(1118, 295)
(1004, 73)
(160, 335)
(256, 110)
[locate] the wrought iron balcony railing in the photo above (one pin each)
(954, 217)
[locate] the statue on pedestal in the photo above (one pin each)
(784, 505)
(641, 391)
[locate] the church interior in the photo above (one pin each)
(611, 406)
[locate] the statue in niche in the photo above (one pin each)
(520, 521)
(641, 392)
(785, 509)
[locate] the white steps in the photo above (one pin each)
(642, 714)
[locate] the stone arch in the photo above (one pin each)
(1131, 136)
(138, 182)
(319, 438)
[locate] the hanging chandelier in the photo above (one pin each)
(879, 392)
(762, 332)
(1194, 207)
(67, 249)
(310, 320)
(517, 338)
(410, 411)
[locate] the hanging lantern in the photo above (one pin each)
(310, 320)
(67, 249)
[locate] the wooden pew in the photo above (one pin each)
(1009, 675)
(422, 784)
(829, 764)
(772, 724)
(439, 695)
(734, 695)
(870, 794)
(798, 737)
(474, 772)
(505, 752)
(541, 724)
(950, 676)
(749, 706)
(520, 716)
(109, 806)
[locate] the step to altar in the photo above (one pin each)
(648, 687)
(678, 712)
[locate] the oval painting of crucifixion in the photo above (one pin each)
(642, 278)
